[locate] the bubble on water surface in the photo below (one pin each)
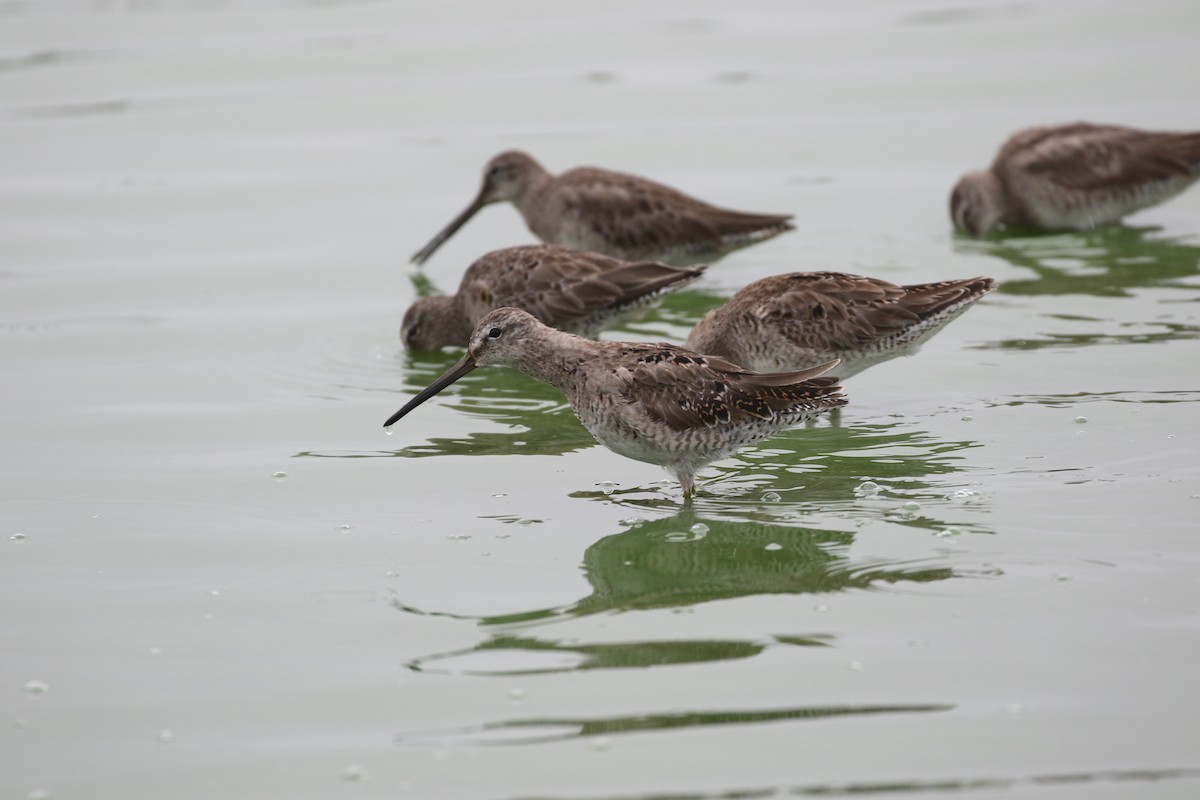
(821, 608)
(773, 547)
(946, 533)
(355, 773)
(37, 687)
(1080, 420)
(18, 537)
(699, 528)
(166, 736)
(968, 418)
(855, 666)
(771, 497)
(279, 476)
(516, 693)
(867, 489)
(500, 494)
(345, 526)
(608, 487)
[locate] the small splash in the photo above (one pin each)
(279, 476)
(771, 497)
(18, 537)
(355, 773)
(36, 687)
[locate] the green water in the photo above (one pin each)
(220, 578)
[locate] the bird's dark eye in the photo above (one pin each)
(410, 335)
(494, 333)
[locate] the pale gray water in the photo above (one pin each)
(205, 213)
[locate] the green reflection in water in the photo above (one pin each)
(530, 656)
(536, 731)
(682, 561)
(915, 786)
(1107, 262)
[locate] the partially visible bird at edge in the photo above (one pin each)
(656, 403)
(619, 215)
(573, 290)
(1074, 177)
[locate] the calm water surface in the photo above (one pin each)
(221, 579)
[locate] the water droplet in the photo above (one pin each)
(37, 687)
(355, 773)
(773, 546)
(279, 476)
(867, 489)
(699, 528)
(600, 743)
(771, 497)
(1080, 420)
(516, 694)
(608, 487)
(166, 736)
(18, 537)
(387, 431)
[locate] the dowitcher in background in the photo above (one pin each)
(1075, 177)
(572, 290)
(803, 319)
(619, 215)
(650, 402)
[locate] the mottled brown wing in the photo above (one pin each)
(634, 213)
(1087, 157)
(831, 311)
(562, 286)
(685, 390)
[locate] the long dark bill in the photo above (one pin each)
(464, 365)
(422, 255)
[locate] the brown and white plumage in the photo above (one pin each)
(572, 290)
(656, 403)
(619, 215)
(1075, 177)
(803, 319)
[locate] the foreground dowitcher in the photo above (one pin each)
(803, 319)
(1075, 177)
(650, 402)
(572, 290)
(619, 215)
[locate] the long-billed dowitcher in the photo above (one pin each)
(650, 402)
(572, 290)
(1075, 177)
(619, 215)
(802, 319)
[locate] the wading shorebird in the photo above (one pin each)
(623, 216)
(1075, 177)
(572, 290)
(803, 319)
(650, 402)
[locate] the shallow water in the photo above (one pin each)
(221, 579)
